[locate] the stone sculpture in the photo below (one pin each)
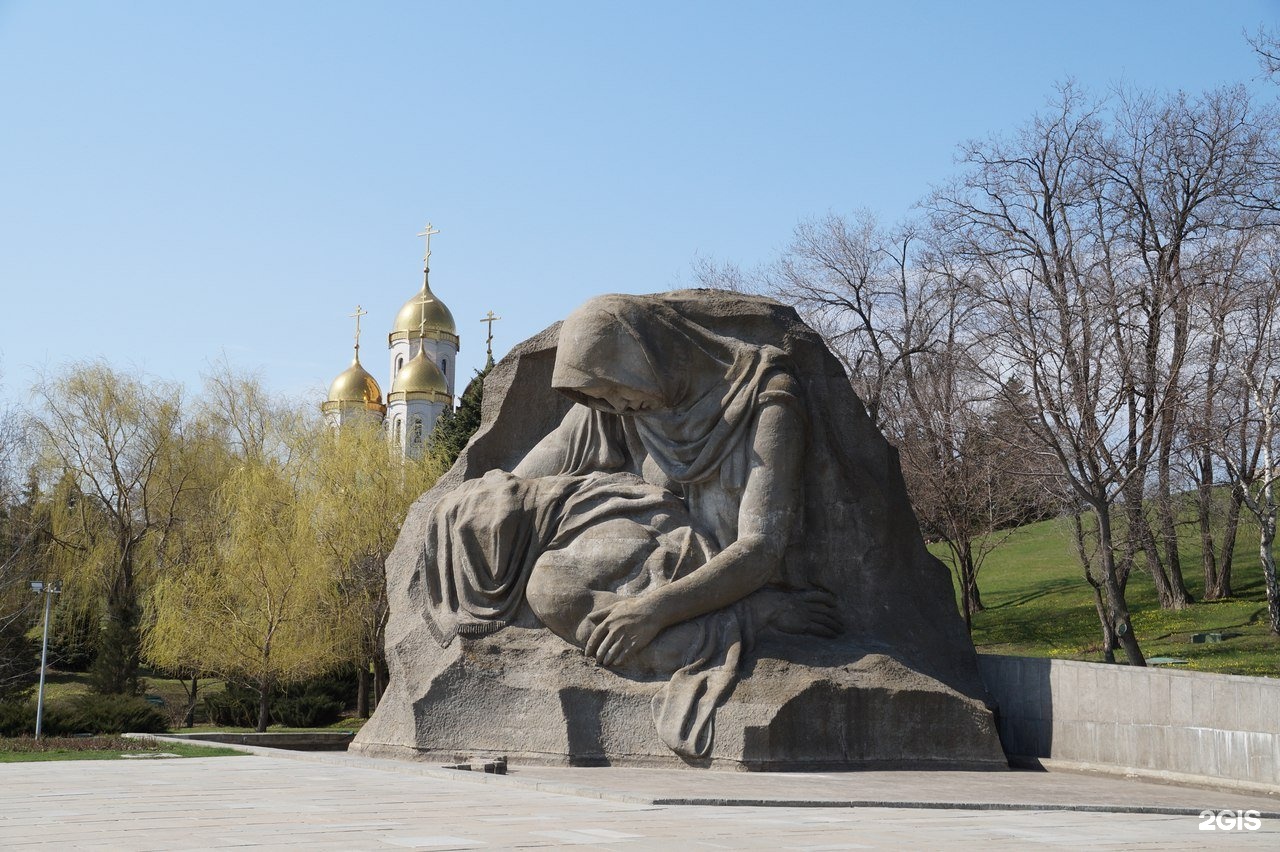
(676, 535)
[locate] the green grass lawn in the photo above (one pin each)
(59, 684)
(27, 750)
(1038, 604)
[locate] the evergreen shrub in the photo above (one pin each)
(235, 707)
(113, 714)
(310, 710)
(17, 718)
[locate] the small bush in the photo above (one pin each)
(311, 704)
(114, 714)
(236, 707)
(18, 719)
(311, 710)
(339, 685)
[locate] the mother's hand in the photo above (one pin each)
(622, 628)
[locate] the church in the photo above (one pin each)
(423, 354)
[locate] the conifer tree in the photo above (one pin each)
(455, 428)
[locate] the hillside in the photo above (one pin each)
(1038, 604)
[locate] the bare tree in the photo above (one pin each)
(1250, 445)
(1267, 47)
(1023, 213)
(940, 414)
(1177, 174)
(891, 306)
(850, 280)
(1212, 394)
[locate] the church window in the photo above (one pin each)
(399, 363)
(444, 366)
(398, 423)
(417, 430)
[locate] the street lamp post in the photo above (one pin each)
(49, 590)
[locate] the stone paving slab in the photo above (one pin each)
(1012, 790)
(333, 802)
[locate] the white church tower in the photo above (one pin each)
(423, 346)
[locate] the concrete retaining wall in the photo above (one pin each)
(1160, 721)
(294, 741)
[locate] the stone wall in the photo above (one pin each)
(1155, 721)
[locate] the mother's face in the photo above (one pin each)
(621, 400)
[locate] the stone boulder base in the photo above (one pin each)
(527, 695)
(900, 688)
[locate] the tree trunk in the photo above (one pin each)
(1226, 557)
(1109, 643)
(970, 573)
(967, 577)
(362, 691)
(1109, 640)
(1180, 595)
(190, 720)
(1127, 559)
(1119, 610)
(1166, 511)
(1146, 540)
(1265, 541)
(264, 706)
(975, 598)
(1204, 514)
(380, 677)
(115, 667)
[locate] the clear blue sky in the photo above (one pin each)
(182, 180)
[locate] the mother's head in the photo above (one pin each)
(634, 355)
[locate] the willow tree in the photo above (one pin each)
(20, 531)
(363, 490)
(235, 420)
(262, 608)
(113, 452)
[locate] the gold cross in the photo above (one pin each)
(360, 312)
(427, 232)
(491, 319)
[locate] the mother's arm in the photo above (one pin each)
(585, 441)
(770, 508)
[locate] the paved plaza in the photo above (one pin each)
(274, 799)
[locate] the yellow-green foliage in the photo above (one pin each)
(262, 605)
(281, 577)
(113, 454)
(363, 489)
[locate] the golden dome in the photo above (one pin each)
(439, 321)
(354, 386)
(420, 375)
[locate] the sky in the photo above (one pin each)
(184, 183)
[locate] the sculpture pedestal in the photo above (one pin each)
(528, 695)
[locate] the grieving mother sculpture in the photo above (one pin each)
(679, 518)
